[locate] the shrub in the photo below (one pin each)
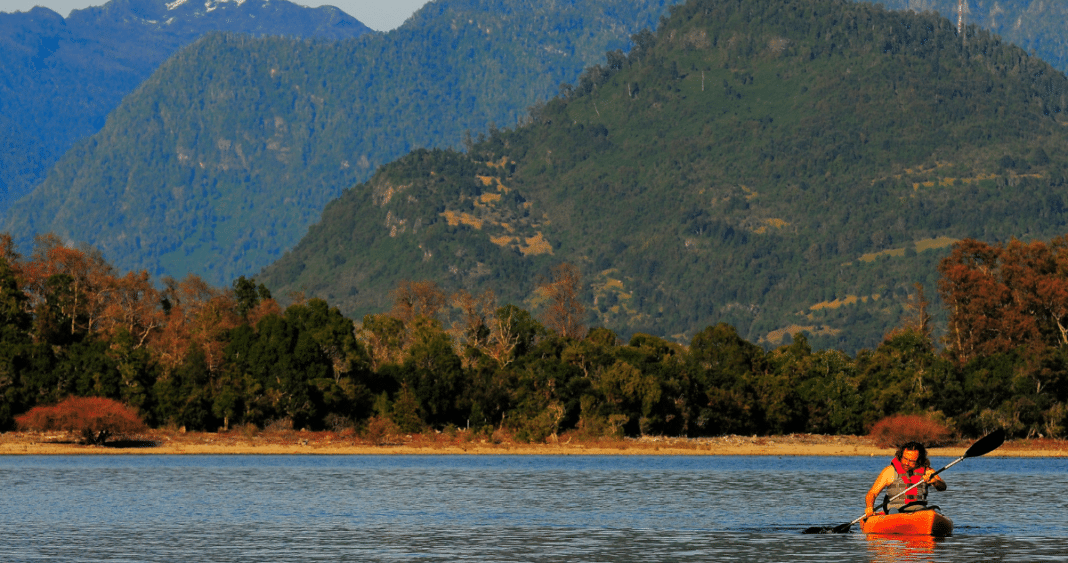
(249, 430)
(94, 418)
(895, 430)
(282, 425)
(381, 431)
(337, 423)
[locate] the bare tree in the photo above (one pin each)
(916, 316)
(565, 310)
(472, 327)
(417, 299)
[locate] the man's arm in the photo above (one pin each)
(881, 482)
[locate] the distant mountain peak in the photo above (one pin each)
(284, 13)
(87, 62)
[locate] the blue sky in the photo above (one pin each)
(381, 15)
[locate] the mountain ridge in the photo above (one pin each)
(224, 156)
(742, 169)
(1036, 26)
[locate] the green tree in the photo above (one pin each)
(897, 375)
(434, 375)
(344, 392)
(182, 396)
(776, 389)
(286, 360)
(717, 368)
(15, 344)
(249, 295)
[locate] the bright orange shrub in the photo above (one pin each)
(94, 418)
(895, 430)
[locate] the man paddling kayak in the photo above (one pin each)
(910, 465)
(983, 446)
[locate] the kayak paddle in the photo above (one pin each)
(982, 446)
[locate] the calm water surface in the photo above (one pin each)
(506, 508)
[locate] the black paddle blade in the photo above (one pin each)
(987, 444)
(840, 529)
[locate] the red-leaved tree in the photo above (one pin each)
(95, 418)
(1001, 297)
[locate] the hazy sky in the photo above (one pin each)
(381, 15)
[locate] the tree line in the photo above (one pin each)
(184, 353)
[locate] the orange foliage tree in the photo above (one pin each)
(90, 280)
(133, 306)
(388, 336)
(83, 288)
(473, 329)
(1001, 297)
(95, 418)
(195, 315)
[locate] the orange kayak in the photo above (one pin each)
(920, 523)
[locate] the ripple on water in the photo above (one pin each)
(352, 508)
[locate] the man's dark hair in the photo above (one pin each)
(922, 461)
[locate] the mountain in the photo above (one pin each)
(221, 159)
(59, 78)
(781, 165)
(1038, 26)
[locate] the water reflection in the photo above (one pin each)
(885, 547)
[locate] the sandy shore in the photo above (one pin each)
(328, 443)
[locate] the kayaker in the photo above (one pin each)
(910, 465)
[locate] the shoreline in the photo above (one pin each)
(166, 442)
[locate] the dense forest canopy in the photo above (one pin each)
(779, 165)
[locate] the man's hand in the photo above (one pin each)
(932, 479)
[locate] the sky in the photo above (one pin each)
(380, 15)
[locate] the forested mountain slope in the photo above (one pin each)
(1038, 25)
(780, 165)
(59, 78)
(219, 161)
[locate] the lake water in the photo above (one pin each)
(506, 508)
